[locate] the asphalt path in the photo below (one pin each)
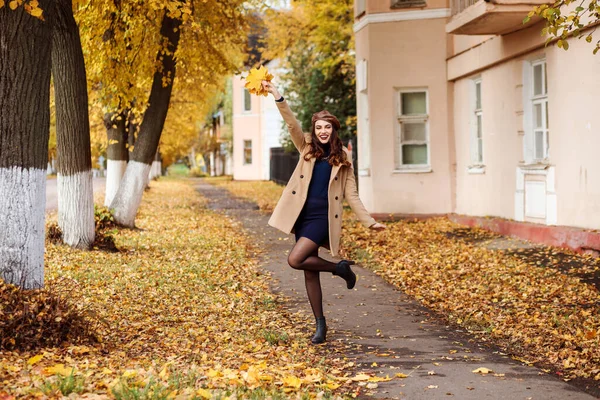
(52, 193)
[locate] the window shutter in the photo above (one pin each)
(473, 138)
(528, 144)
(398, 147)
(360, 7)
(472, 123)
(361, 76)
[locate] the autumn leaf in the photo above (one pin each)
(255, 78)
(482, 371)
(35, 359)
(58, 369)
(203, 393)
(379, 379)
(361, 377)
(292, 381)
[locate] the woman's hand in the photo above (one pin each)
(269, 87)
(377, 226)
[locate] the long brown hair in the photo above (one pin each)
(337, 155)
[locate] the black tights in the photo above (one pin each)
(305, 256)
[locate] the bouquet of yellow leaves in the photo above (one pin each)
(255, 78)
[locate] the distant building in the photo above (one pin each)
(257, 127)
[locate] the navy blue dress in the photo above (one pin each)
(313, 222)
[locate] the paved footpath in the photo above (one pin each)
(390, 332)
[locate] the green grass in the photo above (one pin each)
(274, 338)
(178, 170)
(65, 385)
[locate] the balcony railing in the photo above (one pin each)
(489, 17)
(458, 6)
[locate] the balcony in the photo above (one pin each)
(493, 17)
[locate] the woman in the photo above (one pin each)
(311, 203)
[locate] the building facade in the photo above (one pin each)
(257, 127)
(463, 109)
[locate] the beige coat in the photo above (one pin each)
(341, 185)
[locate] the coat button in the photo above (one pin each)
(293, 192)
(336, 215)
(301, 176)
(336, 197)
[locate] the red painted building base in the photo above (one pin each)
(577, 239)
(581, 240)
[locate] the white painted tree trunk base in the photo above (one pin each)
(22, 230)
(76, 209)
(156, 170)
(114, 173)
(129, 196)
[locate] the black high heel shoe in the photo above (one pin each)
(321, 332)
(343, 270)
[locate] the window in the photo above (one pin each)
(412, 133)
(247, 152)
(539, 102)
(477, 130)
(247, 100)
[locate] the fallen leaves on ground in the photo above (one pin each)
(183, 312)
(538, 313)
(264, 193)
(534, 303)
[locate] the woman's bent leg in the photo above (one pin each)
(304, 256)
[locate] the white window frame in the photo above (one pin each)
(244, 110)
(542, 101)
(399, 167)
(244, 148)
(530, 101)
(476, 132)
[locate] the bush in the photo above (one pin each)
(197, 173)
(106, 227)
(31, 319)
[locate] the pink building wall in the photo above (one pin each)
(389, 48)
(246, 126)
(410, 48)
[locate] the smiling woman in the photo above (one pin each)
(311, 204)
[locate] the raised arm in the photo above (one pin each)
(288, 116)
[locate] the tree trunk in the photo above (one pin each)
(155, 170)
(25, 48)
(117, 154)
(74, 171)
(129, 195)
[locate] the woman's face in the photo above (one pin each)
(323, 130)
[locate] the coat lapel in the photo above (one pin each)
(334, 171)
